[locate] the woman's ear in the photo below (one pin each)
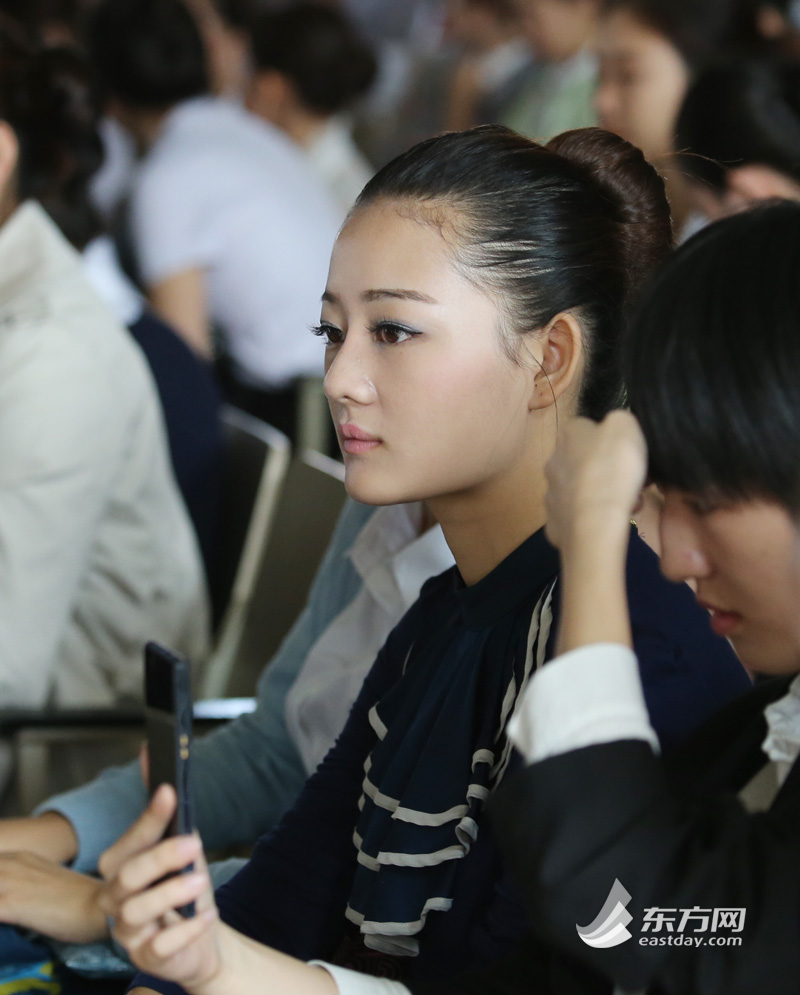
(560, 345)
(9, 159)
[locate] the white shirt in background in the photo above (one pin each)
(225, 192)
(338, 162)
(394, 562)
(103, 271)
(110, 185)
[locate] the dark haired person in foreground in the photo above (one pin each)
(714, 374)
(475, 300)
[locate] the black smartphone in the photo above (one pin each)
(168, 720)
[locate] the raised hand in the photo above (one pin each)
(595, 478)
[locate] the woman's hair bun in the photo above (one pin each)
(632, 185)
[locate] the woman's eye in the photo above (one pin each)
(392, 334)
(331, 334)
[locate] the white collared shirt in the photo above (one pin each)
(393, 561)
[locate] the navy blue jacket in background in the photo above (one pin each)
(191, 402)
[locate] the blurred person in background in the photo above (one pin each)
(97, 553)
(558, 95)
(230, 228)
(309, 67)
(188, 391)
(247, 773)
(54, 21)
(649, 51)
(224, 26)
(776, 22)
(493, 64)
(738, 135)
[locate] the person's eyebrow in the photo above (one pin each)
(400, 295)
(376, 295)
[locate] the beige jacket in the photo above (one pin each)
(97, 553)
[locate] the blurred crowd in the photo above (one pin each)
(201, 155)
(173, 177)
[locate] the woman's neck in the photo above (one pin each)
(483, 527)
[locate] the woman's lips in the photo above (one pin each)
(356, 440)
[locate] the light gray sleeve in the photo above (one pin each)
(247, 773)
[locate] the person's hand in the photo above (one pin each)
(595, 478)
(142, 905)
(38, 894)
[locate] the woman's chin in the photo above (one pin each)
(374, 492)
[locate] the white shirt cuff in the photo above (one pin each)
(352, 983)
(588, 696)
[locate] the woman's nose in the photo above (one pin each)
(348, 373)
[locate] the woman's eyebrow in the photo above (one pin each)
(402, 295)
(376, 295)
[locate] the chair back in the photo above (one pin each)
(256, 459)
(308, 507)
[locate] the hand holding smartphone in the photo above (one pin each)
(168, 719)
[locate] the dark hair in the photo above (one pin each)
(319, 50)
(236, 13)
(740, 113)
(713, 360)
(574, 225)
(34, 15)
(750, 13)
(148, 53)
(502, 9)
(699, 29)
(47, 98)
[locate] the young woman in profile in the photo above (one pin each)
(474, 303)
